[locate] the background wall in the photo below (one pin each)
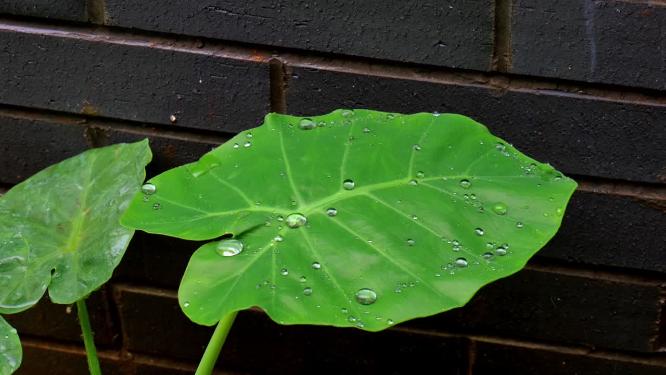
(577, 83)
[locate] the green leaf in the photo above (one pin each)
(10, 348)
(439, 207)
(59, 228)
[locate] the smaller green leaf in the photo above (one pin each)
(60, 228)
(10, 348)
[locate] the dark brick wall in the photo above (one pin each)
(578, 83)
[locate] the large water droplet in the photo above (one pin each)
(465, 184)
(307, 291)
(230, 247)
(316, 265)
(348, 184)
(461, 262)
(296, 220)
(366, 296)
(307, 124)
(479, 231)
(331, 212)
(500, 208)
(148, 189)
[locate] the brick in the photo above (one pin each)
(145, 80)
(576, 134)
(155, 324)
(455, 34)
(71, 10)
(616, 42)
(60, 322)
(169, 151)
(581, 310)
(155, 260)
(28, 146)
(497, 358)
(41, 359)
(611, 230)
(48, 358)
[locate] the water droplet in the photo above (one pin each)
(148, 189)
(390, 322)
(519, 225)
(344, 310)
(331, 212)
(296, 220)
(479, 231)
(316, 265)
(366, 130)
(173, 118)
(500, 208)
(230, 247)
(347, 113)
(410, 242)
(348, 184)
(278, 238)
(236, 145)
(307, 124)
(500, 146)
(501, 250)
(280, 218)
(487, 255)
(436, 114)
(416, 148)
(157, 206)
(249, 135)
(414, 217)
(420, 174)
(465, 184)
(366, 296)
(284, 272)
(390, 116)
(302, 279)
(351, 319)
(413, 182)
(186, 304)
(461, 262)
(247, 144)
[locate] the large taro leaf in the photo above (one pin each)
(406, 216)
(10, 348)
(60, 228)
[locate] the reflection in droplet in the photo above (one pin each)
(487, 255)
(348, 184)
(230, 247)
(307, 291)
(148, 189)
(465, 184)
(284, 272)
(296, 220)
(316, 265)
(479, 231)
(500, 208)
(366, 296)
(331, 212)
(413, 182)
(461, 262)
(306, 124)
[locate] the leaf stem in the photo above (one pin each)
(215, 345)
(88, 341)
